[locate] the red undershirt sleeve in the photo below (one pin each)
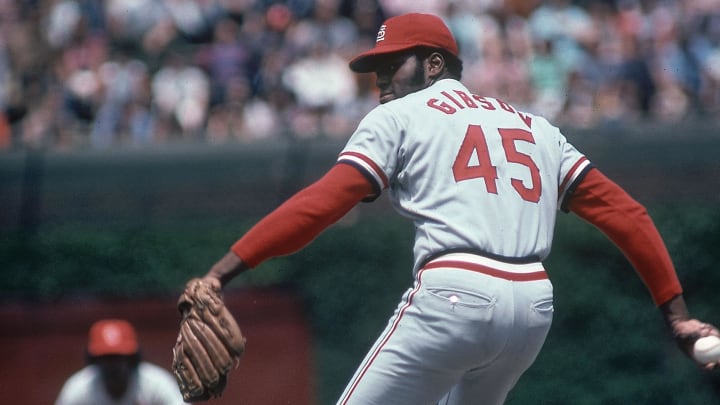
(626, 222)
(300, 219)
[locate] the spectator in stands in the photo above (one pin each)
(566, 25)
(548, 75)
(325, 24)
(115, 373)
(123, 111)
(181, 94)
(322, 84)
(241, 117)
(144, 24)
(226, 59)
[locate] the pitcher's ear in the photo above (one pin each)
(436, 64)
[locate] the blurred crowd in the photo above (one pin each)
(107, 73)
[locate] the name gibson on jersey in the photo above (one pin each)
(449, 104)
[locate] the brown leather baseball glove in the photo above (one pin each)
(209, 344)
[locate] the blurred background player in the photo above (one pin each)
(116, 374)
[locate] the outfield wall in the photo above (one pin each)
(196, 181)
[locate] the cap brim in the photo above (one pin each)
(367, 61)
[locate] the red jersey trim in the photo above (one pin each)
(572, 174)
(367, 164)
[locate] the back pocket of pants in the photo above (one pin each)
(460, 303)
(458, 297)
(541, 313)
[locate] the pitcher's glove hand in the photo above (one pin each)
(209, 344)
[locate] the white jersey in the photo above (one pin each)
(472, 172)
(151, 385)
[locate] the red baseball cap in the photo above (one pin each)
(405, 32)
(112, 337)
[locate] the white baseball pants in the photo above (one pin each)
(459, 337)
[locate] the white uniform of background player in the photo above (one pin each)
(116, 374)
(483, 183)
(151, 385)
